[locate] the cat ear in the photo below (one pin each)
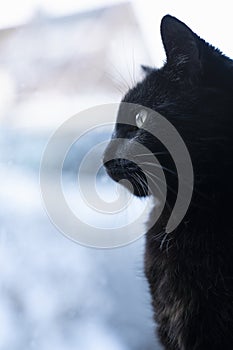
(180, 43)
(147, 69)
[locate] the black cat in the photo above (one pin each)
(190, 270)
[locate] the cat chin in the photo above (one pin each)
(140, 195)
(135, 188)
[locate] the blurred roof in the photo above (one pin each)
(15, 13)
(51, 68)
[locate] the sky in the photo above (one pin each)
(210, 19)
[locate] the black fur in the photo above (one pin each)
(190, 271)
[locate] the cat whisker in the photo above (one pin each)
(117, 84)
(128, 66)
(159, 179)
(167, 241)
(151, 154)
(143, 182)
(173, 173)
(136, 183)
(133, 58)
(159, 166)
(139, 180)
(162, 233)
(123, 79)
(171, 189)
(158, 235)
(158, 188)
(130, 75)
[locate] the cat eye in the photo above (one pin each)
(141, 118)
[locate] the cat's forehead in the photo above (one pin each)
(154, 89)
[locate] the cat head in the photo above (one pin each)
(193, 90)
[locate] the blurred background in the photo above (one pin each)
(56, 59)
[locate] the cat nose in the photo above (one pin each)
(112, 150)
(117, 148)
(109, 153)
